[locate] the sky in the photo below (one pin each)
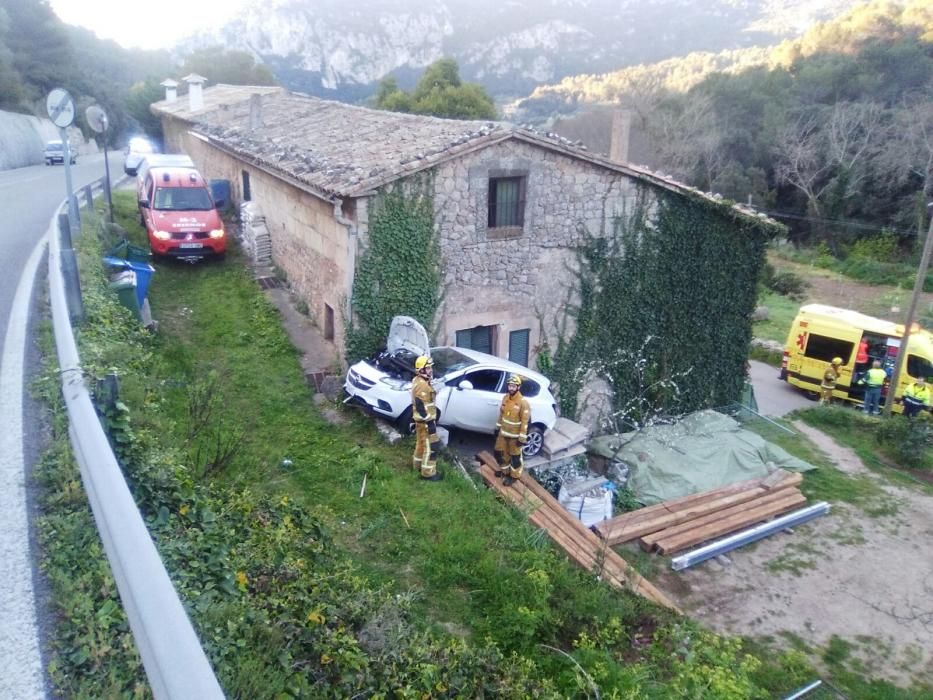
(141, 25)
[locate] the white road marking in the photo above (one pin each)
(21, 673)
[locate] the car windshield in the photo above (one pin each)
(54, 147)
(183, 199)
(448, 360)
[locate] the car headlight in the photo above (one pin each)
(162, 235)
(397, 384)
(217, 233)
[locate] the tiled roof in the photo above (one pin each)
(341, 150)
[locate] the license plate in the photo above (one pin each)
(191, 245)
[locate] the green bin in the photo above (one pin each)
(124, 284)
(126, 250)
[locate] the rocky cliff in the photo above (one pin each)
(340, 49)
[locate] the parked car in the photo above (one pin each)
(55, 153)
(136, 150)
(470, 385)
(179, 213)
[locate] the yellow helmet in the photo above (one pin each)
(515, 379)
(423, 361)
(837, 360)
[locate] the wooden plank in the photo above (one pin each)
(580, 544)
(724, 527)
(630, 526)
(648, 541)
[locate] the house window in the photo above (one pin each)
(506, 202)
(328, 322)
(247, 193)
(518, 346)
(481, 339)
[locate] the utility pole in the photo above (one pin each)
(914, 299)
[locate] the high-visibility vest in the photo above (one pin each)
(918, 393)
(876, 376)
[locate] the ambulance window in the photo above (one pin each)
(919, 367)
(819, 347)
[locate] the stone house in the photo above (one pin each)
(509, 202)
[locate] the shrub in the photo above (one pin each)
(909, 441)
(789, 284)
(881, 248)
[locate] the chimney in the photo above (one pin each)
(255, 111)
(195, 96)
(171, 89)
(619, 138)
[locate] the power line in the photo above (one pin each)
(844, 222)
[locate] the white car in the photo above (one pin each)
(470, 385)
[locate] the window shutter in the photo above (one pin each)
(520, 214)
(518, 346)
(491, 203)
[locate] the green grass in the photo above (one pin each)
(781, 313)
(221, 373)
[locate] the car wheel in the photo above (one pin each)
(404, 424)
(535, 442)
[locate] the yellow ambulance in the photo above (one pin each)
(821, 333)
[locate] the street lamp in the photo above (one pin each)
(914, 299)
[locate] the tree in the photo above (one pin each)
(231, 67)
(439, 93)
(140, 97)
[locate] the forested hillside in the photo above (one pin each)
(833, 132)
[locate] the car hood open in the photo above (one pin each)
(405, 333)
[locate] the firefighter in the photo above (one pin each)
(512, 432)
(424, 413)
(830, 376)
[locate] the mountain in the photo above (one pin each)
(341, 50)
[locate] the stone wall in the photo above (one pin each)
(523, 282)
(308, 243)
(23, 138)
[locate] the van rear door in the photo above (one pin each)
(819, 350)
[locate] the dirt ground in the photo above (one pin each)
(880, 301)
(867, 579)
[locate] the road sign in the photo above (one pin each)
(61, 108)
(96, 118)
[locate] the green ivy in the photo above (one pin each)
(399, 272)
(663, 308)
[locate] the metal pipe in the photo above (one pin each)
(175, 663)
(740, 539)
(804, 691)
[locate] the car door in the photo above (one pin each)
(473, 400)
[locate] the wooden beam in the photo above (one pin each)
(631, 526)
(733, 524)
(580, 544)
(648, 541)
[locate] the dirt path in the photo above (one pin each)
(867, 579)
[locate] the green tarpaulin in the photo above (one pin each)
(703, 451)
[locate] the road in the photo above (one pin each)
(775, 398)
(28, 199)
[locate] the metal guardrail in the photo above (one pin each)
(175, 663)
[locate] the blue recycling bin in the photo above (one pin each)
(220, 191)
(143, 272)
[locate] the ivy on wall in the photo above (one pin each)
(399, 272)
(662, 308)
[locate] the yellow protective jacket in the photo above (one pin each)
(829, 378)
(423, 409)
(875, 376)
(514, 414)
(918, 393)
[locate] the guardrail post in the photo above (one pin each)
(89, 197)
(70, 272)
